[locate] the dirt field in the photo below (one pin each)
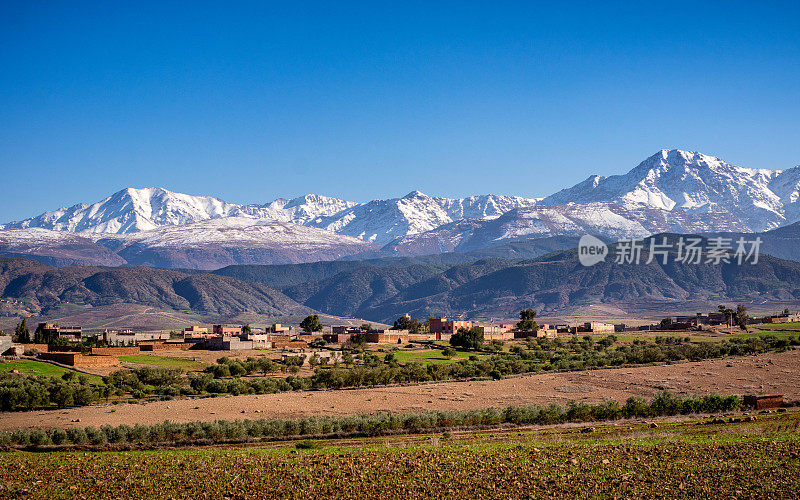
(679, 459)
(769, 373)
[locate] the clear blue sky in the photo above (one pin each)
(252, 101)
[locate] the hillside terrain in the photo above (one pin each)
(43, 289)
(382, 290)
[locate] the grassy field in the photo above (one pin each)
(432, 356)
(633, 460)
(779, 327)
(163, 362)
(37, 368)
(783, 331)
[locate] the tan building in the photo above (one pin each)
(496, 331)
(259, 340)
(52, 331)
(127, 337)
(598, 327)
(195, 332)
(227, 343)
(441, 327)
(226, 331)
(387, 336)
(545, 331)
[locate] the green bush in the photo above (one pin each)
(306, 445)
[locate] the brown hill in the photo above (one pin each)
(43, 288)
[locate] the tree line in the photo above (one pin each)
(665, 403)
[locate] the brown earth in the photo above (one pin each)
(777, 373)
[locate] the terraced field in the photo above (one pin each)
(676, 459)
(39, 368)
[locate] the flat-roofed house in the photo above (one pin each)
(443, 328)
(226, 331)
(195, 332)
(497, 331)
(51, 331)
(128, 337)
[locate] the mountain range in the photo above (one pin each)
(671, 191)
(554, 284)
(381, 290)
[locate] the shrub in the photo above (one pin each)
(58, 436)
(39, 437)
(306, 445)
(95, 436)
(76, 435)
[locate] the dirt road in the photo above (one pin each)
(769, 373)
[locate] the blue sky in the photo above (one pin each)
(253, 101)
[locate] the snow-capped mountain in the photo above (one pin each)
(612, 220)
(381, 221)
(301, 210)
(696, 184)
(215, 243)
(673, 190)
(129, 211)
(133, 210)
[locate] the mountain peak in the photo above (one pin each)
(692, 182)
(415, 194)
(680, 158)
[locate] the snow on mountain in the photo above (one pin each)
(301, 210)
(130, 210)
(786, 186)
(540, 221)
(133, 210)
(237, 231)
(59, 248)
(695, 183)
(611, 220)
(673, 190)
(208, 244)
(382, 221)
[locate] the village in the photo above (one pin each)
(71, 346)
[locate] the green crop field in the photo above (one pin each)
(163, 362)
(679, 458)
(781, 331)
(778, 327)
(432, 356)
(37, 368)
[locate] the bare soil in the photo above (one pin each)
(775, 373)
